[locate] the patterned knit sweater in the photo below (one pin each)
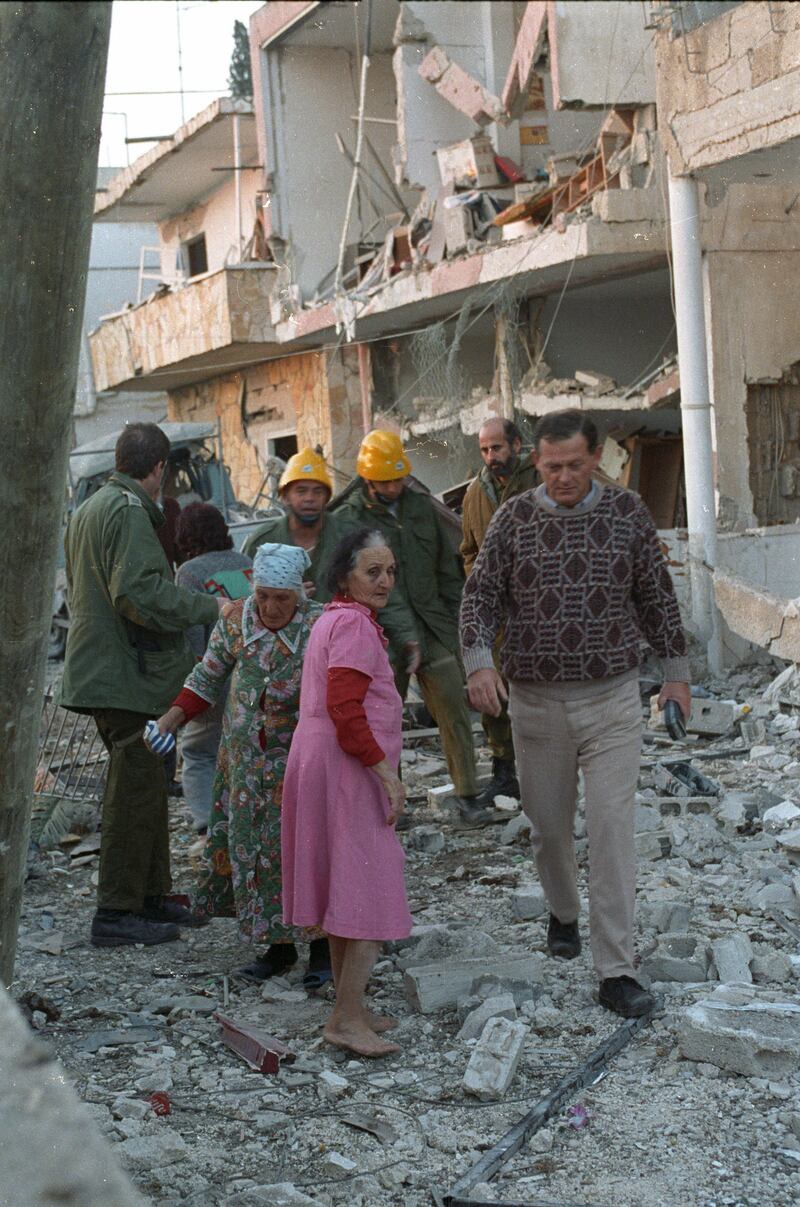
(577, 589)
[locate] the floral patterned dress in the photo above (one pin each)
(241, 876)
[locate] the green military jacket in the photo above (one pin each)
(429, 578)
(395, 617)
(276, 531)
(126, 646)
(482, 499)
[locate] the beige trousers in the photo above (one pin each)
(595, 726)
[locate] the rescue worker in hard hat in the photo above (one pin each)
(429, 582)
(305, 489)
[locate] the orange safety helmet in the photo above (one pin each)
(381, 457)
(305, 466)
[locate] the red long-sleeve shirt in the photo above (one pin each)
(345, 702)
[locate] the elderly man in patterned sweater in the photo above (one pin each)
(574, 571)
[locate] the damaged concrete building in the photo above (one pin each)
(464, 210)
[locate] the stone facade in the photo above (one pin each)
(314, 394)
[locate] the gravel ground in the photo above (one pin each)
(661, 1130)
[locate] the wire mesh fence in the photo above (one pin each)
(70, 773)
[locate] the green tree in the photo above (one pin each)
(240, 79)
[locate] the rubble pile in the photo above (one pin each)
(702, 1106)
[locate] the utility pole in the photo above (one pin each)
(52, 75)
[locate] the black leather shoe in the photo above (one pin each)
(625, 996)
(114, 929)
(161, 909)
(563, 940)
(504, 782)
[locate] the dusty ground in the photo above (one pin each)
(662, 1130)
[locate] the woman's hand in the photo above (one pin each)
(172, 719)
(393, 787)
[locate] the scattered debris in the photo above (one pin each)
(751, 1036)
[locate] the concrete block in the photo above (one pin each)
(768, 965)
(732, 956)
(441, 800)
(428, 839)
(676, 958)
(528, 901)
(671, 917)
(652, 845)
(756, 1039)
(501, 1006)
(753, 730)
(450, 942)
(433, 987)
(484, 987)
(151, 1152)
(711, 717)
(790, 840)
(494, 1061)
(775, 896)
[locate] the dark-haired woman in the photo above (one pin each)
(209, 563)
(342, 860)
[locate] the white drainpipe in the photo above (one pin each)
(687, 256)
(237, 173)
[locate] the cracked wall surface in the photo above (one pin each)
(730, 87)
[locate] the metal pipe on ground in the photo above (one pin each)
(519, 1135)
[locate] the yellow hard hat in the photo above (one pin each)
(305, 466)
(381, 457)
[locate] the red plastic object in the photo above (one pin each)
(179, 899)
(160, 1103)
(259, 1050)
(509, 169)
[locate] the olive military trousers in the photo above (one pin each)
(134, 835)
(441, 681)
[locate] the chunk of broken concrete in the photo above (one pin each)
(501, 1006)
(447, 941)
(779, 816)
(672, 917)
(428, 839)
(732, 956)
(151, 1152)
(528, 901)
(494, 1060)
(676, 957)
(519, 825)
(755, 1039)
(484, 987)
(117, 1037)
(432, 987)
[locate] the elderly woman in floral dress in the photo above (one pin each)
(259, 645)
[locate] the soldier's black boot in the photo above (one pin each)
(504, 782)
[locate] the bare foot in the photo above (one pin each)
(379, 1022)
(359, 1038)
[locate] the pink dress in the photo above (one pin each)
(342, 863)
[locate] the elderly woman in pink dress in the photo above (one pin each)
(342, 860)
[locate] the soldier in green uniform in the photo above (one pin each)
(305, 490)
(505, 473)
(429, 585)
(126, 658)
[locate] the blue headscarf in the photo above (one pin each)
(281, 566)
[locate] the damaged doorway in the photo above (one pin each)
(773, 436)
